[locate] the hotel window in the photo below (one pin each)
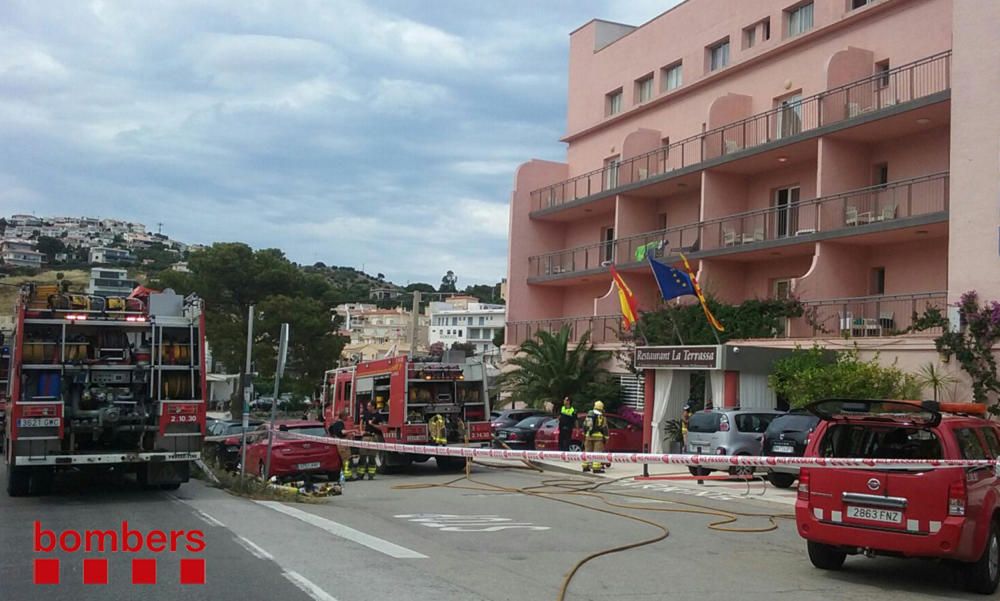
(856, 4)
(749, 37)
(613, 103)
(482, 320)
(608, 237)
(672, 76)
(718, 55)
(661, 221)
(644, 89)
(880, 174)
(878, 280)
(882, 71)
(800, 19)
(611, 172)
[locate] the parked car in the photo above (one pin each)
(623, 436)
(787, 436)
(289, 457)
(727, 432)
(509, 417)
(944, 513)
(522, 434)
(224, 440)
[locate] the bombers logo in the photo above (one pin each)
(122, 540)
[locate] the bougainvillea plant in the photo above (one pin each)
(972, 345)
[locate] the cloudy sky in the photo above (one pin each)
(377, 134)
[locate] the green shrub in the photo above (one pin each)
(808, 375)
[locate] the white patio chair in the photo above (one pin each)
(729, 237)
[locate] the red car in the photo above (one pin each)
(623, 436)
(945, 513)
(293, 457)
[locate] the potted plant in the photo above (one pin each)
(673, 436)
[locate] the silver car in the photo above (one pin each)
(728, 432)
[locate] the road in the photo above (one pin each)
(478, 540)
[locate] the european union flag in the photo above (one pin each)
(672, 282)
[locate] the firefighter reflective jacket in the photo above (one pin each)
(437, 429)
(596, 425)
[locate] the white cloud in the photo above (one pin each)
(403, 96)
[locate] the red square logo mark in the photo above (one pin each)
(95, 571)
(46, 571)
(143, 571)
(192, 571)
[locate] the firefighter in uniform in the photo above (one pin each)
(370, 418)
(567, 420)
(438, 430)
(685, 418)
(337, 431)
(595, 428)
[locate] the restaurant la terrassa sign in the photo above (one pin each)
(678, 357)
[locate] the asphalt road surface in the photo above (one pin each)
(471, 541)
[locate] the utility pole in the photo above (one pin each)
(278, 372)
(247, 395)
(414, 323)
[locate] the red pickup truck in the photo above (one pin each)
(948, 513)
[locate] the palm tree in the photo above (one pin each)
(547, 370)
(933, 377)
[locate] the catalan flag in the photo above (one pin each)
(630, 307)
(701, 297)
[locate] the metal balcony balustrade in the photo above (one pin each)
(877, 206)
(857, 317)
(866, 316)
(856, 100)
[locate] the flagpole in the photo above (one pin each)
(673, 322)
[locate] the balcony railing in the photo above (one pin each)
(659, 243)
(857, 317)
(603, 329)
(857, 99)
(881, 204)
(866, 316)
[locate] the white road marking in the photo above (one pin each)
(372, 542)
(307, 586)
(209, 519)
(254, 550)
(201, 515)
(447, 522)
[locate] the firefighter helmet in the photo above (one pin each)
(599, 405)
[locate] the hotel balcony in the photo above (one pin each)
(872, 213)
(887, 94)
(857, 317)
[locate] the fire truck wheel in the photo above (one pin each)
(450, 464)
(18, 481)
(41, 480)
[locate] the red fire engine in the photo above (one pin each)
(104, 383)
(408, 393)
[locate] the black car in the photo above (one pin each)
(787, 436)
(224, 439)
(509, 417)
(522, 434)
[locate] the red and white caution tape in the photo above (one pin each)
(714, 461)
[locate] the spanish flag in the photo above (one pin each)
(701, 297)
(630, 307)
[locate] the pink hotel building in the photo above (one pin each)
(845, 152)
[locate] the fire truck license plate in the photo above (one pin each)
(875, 515)
(309, 466)
(38, 422)
(783, 448)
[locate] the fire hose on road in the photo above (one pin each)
(559, 489)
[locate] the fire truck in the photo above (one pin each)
(104, 383)
(408, 393)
